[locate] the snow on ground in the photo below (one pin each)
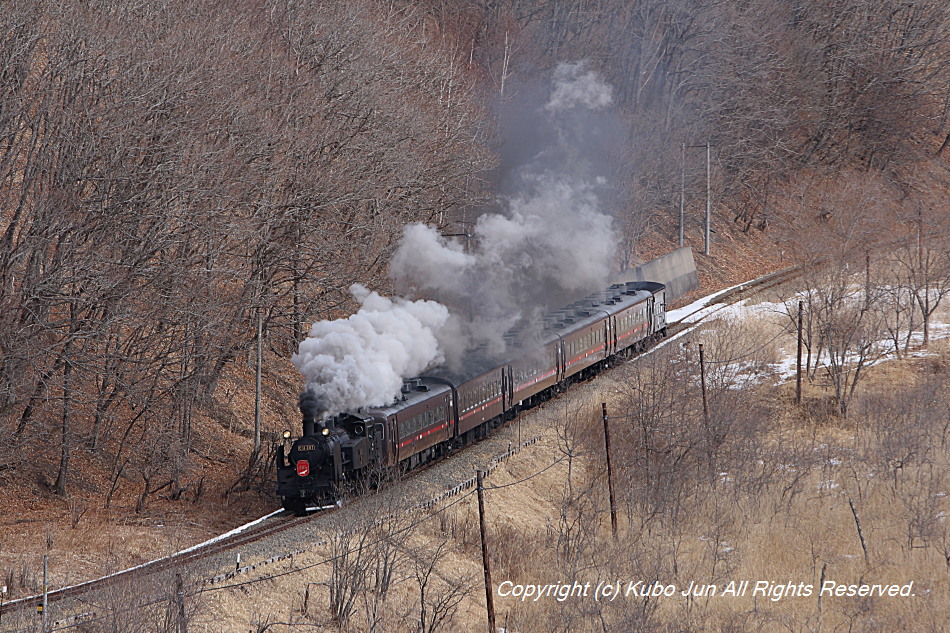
(698, 309)
(776, 316)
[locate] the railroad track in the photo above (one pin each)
(730, 296)
(280, 521)
(269, 525)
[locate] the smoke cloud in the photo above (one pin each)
(550, 240)
(575, 86)
(362, 360)
(548, 243)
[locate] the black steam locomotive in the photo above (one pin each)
(436, 414)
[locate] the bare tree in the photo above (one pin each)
(164, 180)
(440, 590)
(925, 264)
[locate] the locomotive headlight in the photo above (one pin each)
(326, 431)
(286, 435)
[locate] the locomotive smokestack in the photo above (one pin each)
(310, 408)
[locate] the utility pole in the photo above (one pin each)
(798, 370)
(486, 564)
(708, 196)
(610, 479)
(682, 195)
(702, 380)
(45, 594)
(182, 623)
(257, 394)
(708, 223)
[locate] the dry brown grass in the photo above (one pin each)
(777, 507)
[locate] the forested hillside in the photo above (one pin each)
(176, 176)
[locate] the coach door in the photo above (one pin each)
(507, 388)
(559, 362)
(393, 442)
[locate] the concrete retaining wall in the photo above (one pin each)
(677, 270)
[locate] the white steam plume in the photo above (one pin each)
(577, 86)
(550, 243)
(362, 360)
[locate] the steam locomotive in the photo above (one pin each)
(437, 414)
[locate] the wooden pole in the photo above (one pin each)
(610, 478)
(708, 198)
(486, 563)
(682, 195)
(180, 602)
(857, 523)
(45, 593)
(257, 394)
(702, 380)
(798, 369)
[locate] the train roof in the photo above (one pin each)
(554, 325)
(413, 391)
(590, 309)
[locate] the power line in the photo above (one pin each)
(342, 554)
